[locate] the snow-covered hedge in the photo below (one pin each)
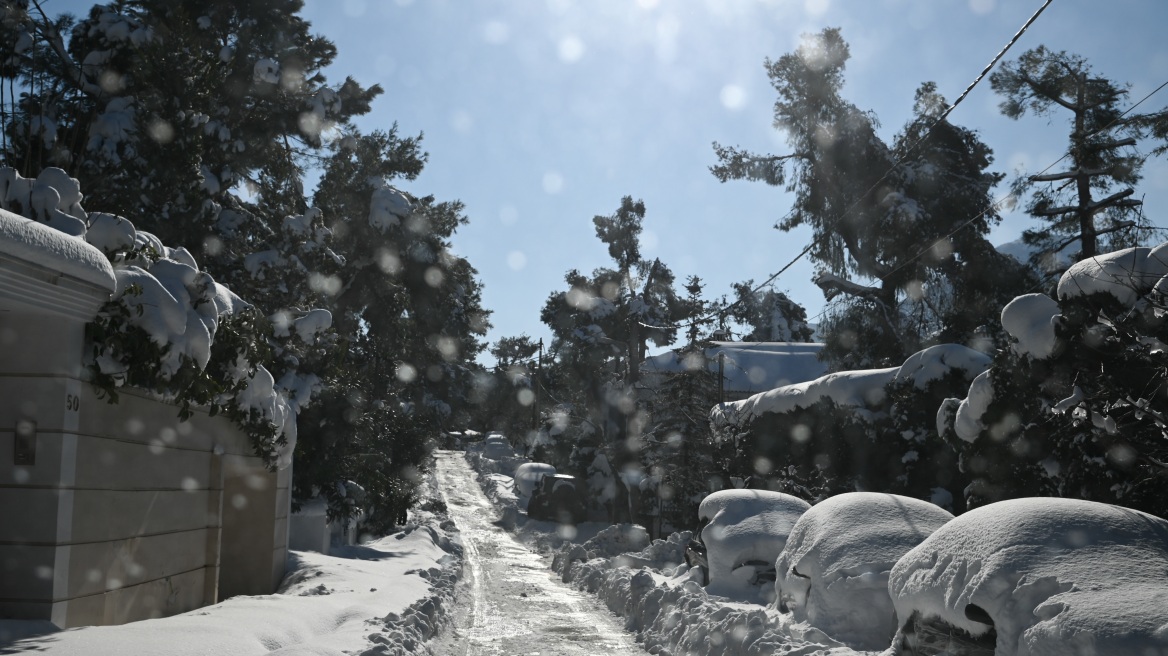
(1077, 405)
(871, 429)
(171, 329)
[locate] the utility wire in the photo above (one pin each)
(1007, 197)
(1001, 53)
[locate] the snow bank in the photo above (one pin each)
(1048, 576)
(1126, 274)
(833, 572)
(861, 389)
(380, 598)
(745, 526)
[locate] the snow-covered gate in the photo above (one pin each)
(111, 513)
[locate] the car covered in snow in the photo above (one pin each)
(496, 447)
(744, 534)
(527, 477)
(557, 498)
(1036, 576)
(833, 571)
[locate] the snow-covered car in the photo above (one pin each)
(1036, 576)
(496, 447)
(746, 531)
(833, 572)
(557, 498)
(528, 475)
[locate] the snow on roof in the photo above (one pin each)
(863, 388)
(751, 366)
(1126, 274)
(1054, 576)
(30, 241)
(745, 525)
(833, 572)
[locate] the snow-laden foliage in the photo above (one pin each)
(1076, 406)
(855, 430)
(898, 228)
(170, 328)
(200, 120)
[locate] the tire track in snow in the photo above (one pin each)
(519, 607)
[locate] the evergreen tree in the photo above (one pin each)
(199, 120)
(882, 213)
(679, 451)
(1092, 198)
(770, 316)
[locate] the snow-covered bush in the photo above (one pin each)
(170, 328)
(870, 430)
(1076, 406)
(746, 531)
(833, 571)
(1036, 576)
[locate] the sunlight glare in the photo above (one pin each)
(516, 260)
(553, 182)
(816, 7)
(355, 8)
(571, 49)
(496, 32)
(982, 6)
(733, 97)
(508, 215)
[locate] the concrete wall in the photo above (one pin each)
(124, 512)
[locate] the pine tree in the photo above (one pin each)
(199, 121)
(770, 316)
(1092, 198)
(879, 212)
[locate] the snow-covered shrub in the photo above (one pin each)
(1077, 406)
(170, 328)
(833, 571)
(746, 531)
(872, 429)
(1036, 576)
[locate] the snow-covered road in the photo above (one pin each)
(510, 602)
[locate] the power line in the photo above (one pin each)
(891, 168)
(1004, 198)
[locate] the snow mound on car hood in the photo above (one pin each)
(745, 525)
(1055, 576)
(833, 572)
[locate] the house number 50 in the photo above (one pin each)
(72, 402)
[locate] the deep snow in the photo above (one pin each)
(382, 598)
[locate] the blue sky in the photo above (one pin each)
(540, 115)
